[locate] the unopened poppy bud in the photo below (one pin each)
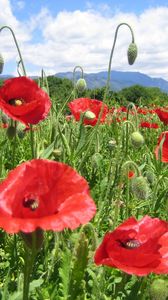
(96, 160)
(11, 132)
(20, 130)
(140, 187)
(1, 64)
(137, 139)
(89, 115)
(132, 53)
(81, 85)
(112, 144)
(150, 177)
(159, 289)
(57, 152)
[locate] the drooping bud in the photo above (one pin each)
(11, 132)
(89, 115)
(81, 85)
(159, 289)
(112, 144)
(140, 187)
(1, 64)
(137, 139)
(132, 53)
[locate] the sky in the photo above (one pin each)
(56, 35)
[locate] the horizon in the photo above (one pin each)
(59, 36)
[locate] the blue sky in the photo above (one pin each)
(24, 9)
(57, 35)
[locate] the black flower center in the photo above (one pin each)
(31, 203)
(16, 102)
(131, 244)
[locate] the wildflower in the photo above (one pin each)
(82, 105)
(136, 247)
(23, 100)
(163, 149)
(44, 194)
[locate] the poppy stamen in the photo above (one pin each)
(31, 203)
(131, 244)
(16, 102)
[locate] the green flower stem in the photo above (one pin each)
(29, 262)
(14, 146)
(125, 137)
(17, 46)
(74, 70)
(32, 142)
(111, 56)
(130, 106)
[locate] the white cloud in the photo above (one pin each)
(85, 38)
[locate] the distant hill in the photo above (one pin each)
(119, 80)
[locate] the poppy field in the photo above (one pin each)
(83, 193)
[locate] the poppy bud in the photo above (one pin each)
(96, 160)
(140, 187)
(159, 289)
(20, 131)
(112, 144)
(1, 64)
(57, 152)
(89, 115)
(81, 85)
(137, 139)
(150, 176)
(11, 132)
(132, 53)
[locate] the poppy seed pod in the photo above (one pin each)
(89, 115)
(132, 53)
(140, 187)
(1, 64)
(159, 289)
(81, 85)
(137, 139)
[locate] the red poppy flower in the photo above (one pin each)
(164, 151)
(149, 125)
(136, 247)
(82, 105)
(44, 194)
(162, 114)
(23, 100)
